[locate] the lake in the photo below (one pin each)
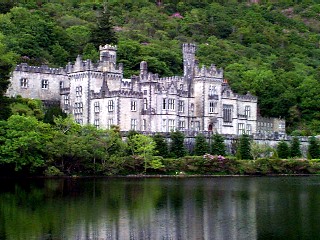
(161, 208)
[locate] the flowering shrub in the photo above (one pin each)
(210, 157)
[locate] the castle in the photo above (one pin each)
(97, 93)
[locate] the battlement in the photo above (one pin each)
(24, 67)
(108, 47)
(172, 79)
(210, 72)
(189, 48)
(248, 96)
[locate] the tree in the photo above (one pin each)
(144, 146)
(283, 150)
(25, 141)
(218, 146)
(103, 33)
(161, 145)
(314, 148)
(53, 112)
(201, 145)
(7, 61)
(295, 147)
(177, 148)
(244, 147)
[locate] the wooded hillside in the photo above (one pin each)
(269, 49)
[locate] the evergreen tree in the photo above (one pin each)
(295, 147)
(177, 148)
(314, 148)
(244, 147)
(218, 146)
(283, 150)
(51, 113)
(103, 33)
(201, 145)
(161, 145)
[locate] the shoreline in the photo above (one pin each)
(141, 176)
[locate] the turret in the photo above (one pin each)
(108, 53)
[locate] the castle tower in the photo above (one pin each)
(108, 53)
(143, 70)
(189, 53)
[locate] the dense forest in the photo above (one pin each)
(269, 49)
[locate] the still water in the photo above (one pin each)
(167, 208)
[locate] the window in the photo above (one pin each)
(110, 122)
(212, 107)
(247, 111)
(61, 84)
(212, 90)
(171, 124)
(227, 113)
(171, 104)
(133, 124)
(66, 100)
(182, 125)
(96, 122)
(249, 129)
(45, 84)
(241, 128)
(145, 92)
(23, 82)
(192, 107)
(133, 106)
(164, 125)
(181, 106)
(110, 106)
(96, 107)
(164, 105)
(78, 108)
(79, 91)
(145, 104)
(144, 125)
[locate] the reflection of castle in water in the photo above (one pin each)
(190, 210)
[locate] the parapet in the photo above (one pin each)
(24, 67)
(108, 47)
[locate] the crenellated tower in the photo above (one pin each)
(108, 53)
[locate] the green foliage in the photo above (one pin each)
(283, 150)
(27, 107)
(144, 146)
(314, 148)
(161, 145)
(218, 146)
(295, 150)
(51, 113)
(244, 147)
(201, 145)
(24, 142)
(258, 150)
(177, 148)
(103, 32)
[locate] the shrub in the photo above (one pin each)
(283, 150)
(217, 146)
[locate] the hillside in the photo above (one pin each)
(271, 50)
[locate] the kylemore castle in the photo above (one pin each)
(97, 93)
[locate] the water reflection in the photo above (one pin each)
(194, 208)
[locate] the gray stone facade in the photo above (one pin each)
(97, 93)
